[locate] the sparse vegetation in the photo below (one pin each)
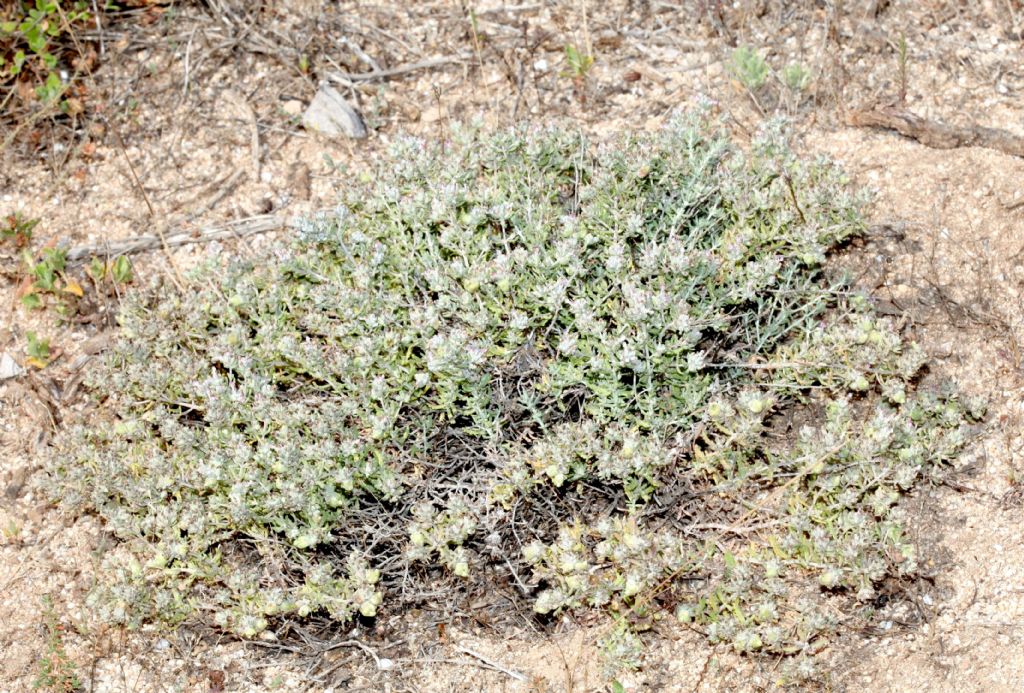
(752, 72)
(523, 359)
(48, 281)
(57, 673)
(47, 278)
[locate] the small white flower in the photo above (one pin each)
(616, 259)
(567, 344)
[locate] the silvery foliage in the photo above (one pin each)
(522, 358)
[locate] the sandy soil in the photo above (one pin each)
(205, 101)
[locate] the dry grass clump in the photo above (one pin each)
(522, 362)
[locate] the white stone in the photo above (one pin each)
(331, 115)
(9, 368)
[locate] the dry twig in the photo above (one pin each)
(140, 244)
(394, 72)
(226, 185)
(174, 274)
(494, 665)
(936, 134)
(482, 662)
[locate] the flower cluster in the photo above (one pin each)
(613, 561)
(441, 534)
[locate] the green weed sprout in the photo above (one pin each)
(57, 672)
(578, 63)
(749, 67)
(796, 77)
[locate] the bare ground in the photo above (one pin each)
(187, 89)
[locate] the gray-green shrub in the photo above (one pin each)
(522, 359)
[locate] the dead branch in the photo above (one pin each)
(493, 665)
(395, 72)
(936, 134)
(139, 244)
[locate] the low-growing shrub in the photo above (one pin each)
(601, 376)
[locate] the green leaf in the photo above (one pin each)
(52, 89)
(618, 687)
(45, 276)
(37, 348)
(55, 257)
(97, 269)
(121, 270)
(36, 40)
(32, 301)
(579, 63)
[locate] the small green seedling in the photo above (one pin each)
(47, 270)
(50, 90)
(96, 270)
(118, 270)
(578, 66)
(578, 63)
(749, 68)
(56, 670)
(121, 270)
(796, 77)
(18, 229)
(12, 532)
(37, 350)
(902, 50)
(48, 276)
